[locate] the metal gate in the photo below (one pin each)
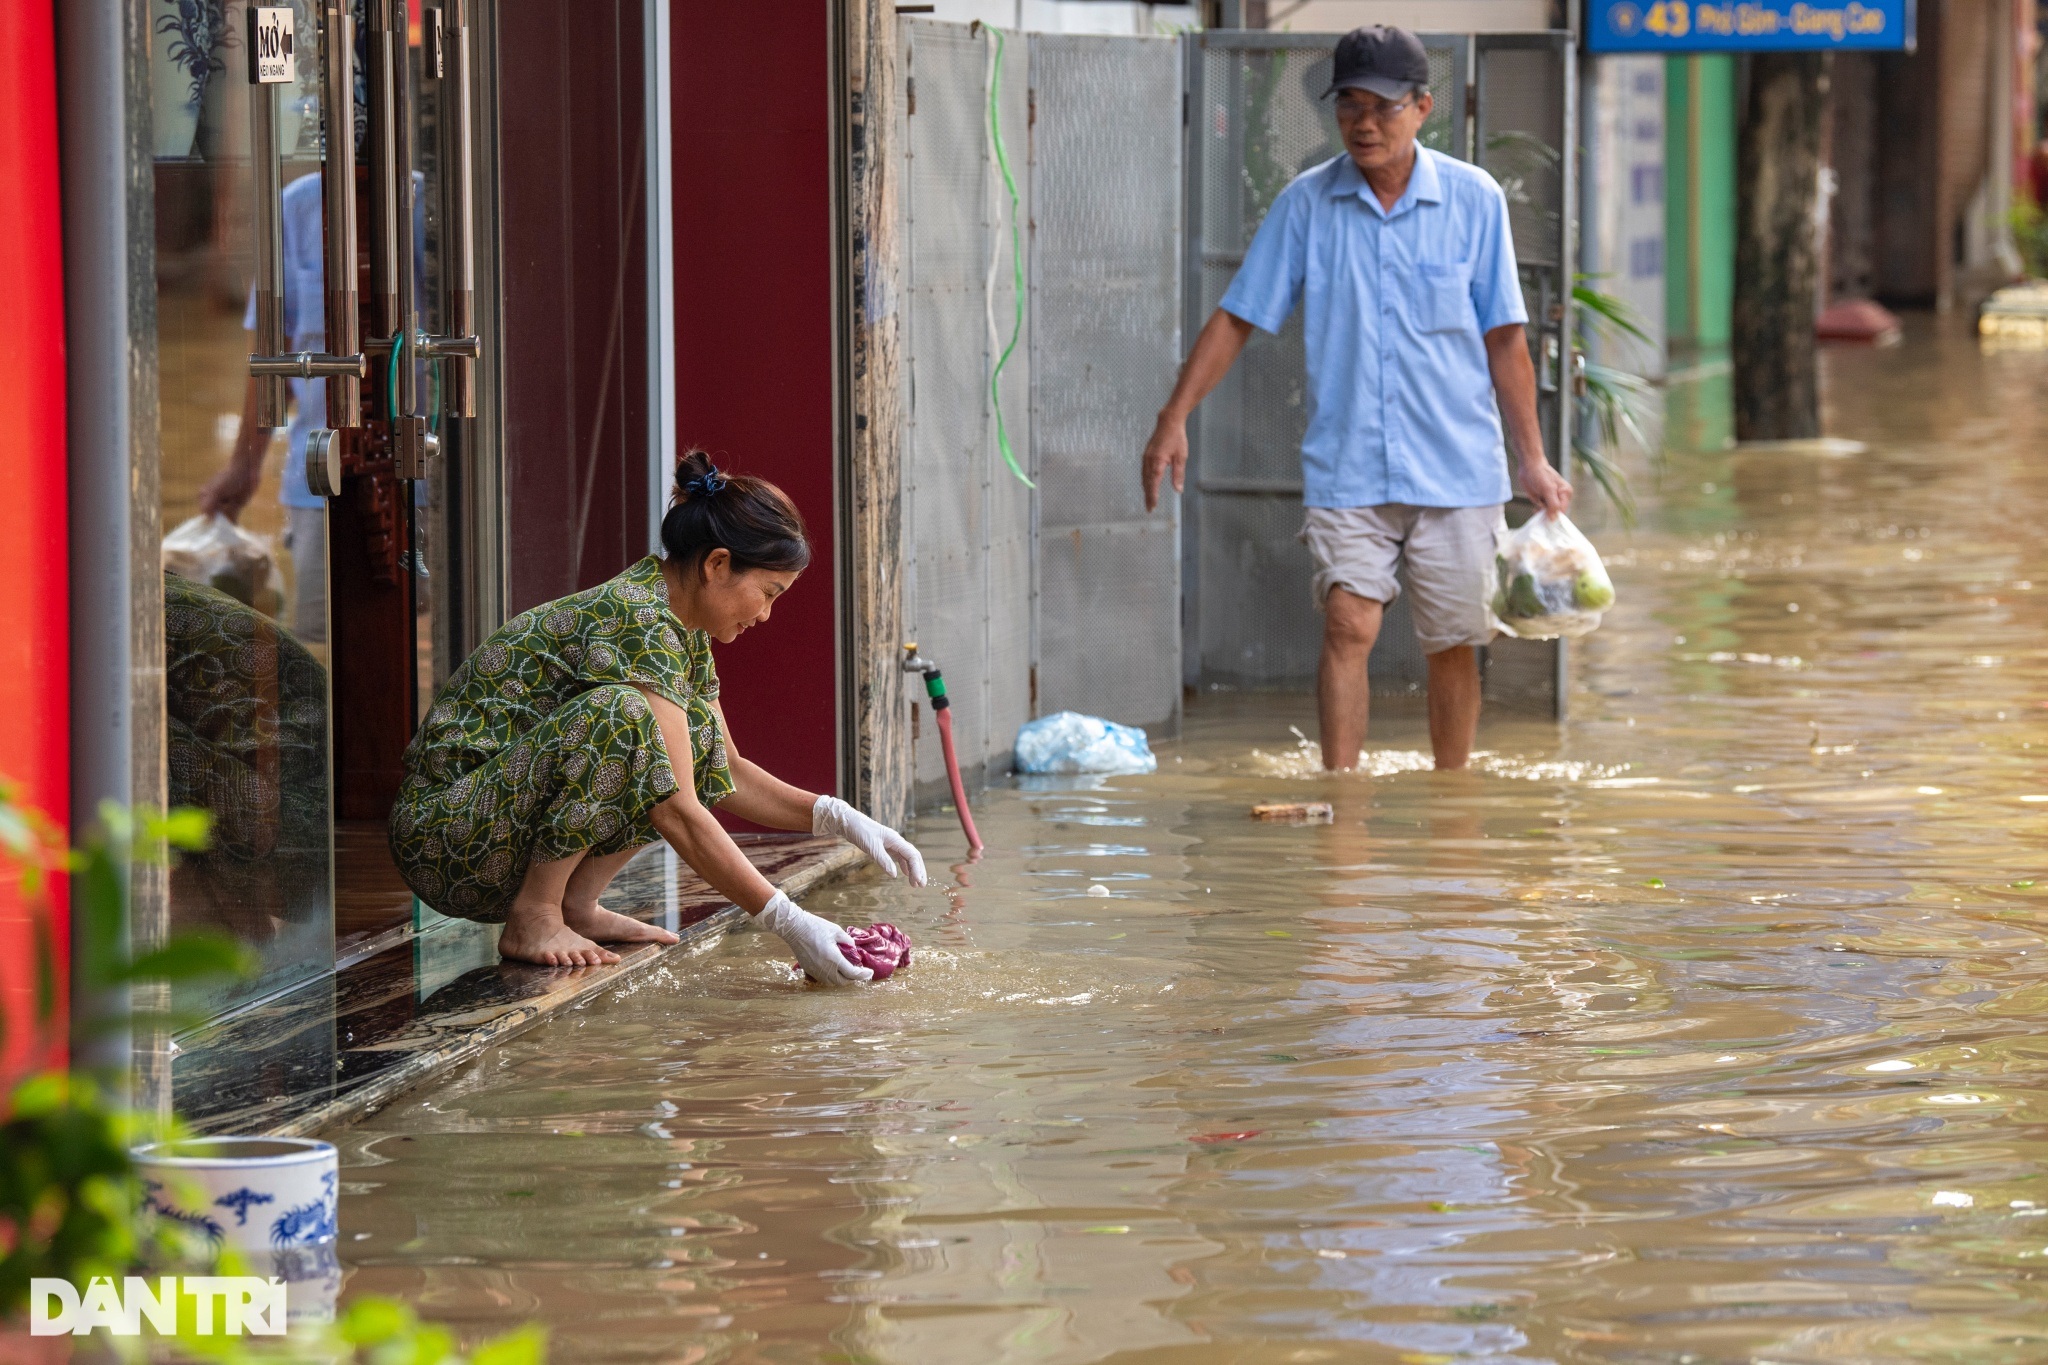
(1066, 597)
(1105, 346)
(1256, 121)
(966, 519)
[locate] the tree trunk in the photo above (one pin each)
(1777, 390)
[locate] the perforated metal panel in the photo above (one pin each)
(1258, 121)
(967, 519)
(1105, 307)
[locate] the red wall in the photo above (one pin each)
(572, 237)
(751, 89)
(34, 585)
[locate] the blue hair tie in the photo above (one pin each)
(706, 484)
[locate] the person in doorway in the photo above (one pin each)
(1416, 353)
(229, 491)
(588, 727)
(305, 324)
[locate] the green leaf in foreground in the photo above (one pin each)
(192, 956)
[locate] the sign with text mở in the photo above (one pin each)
(1748, 25)
(272, 43)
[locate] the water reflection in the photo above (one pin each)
(1705, 1026)
(246, 718)
(245, 608)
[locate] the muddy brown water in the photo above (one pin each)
(1706, 1028)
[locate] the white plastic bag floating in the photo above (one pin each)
(1549, 581)
(212, 550)
(1069, 742)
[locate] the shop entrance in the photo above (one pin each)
(319, 336)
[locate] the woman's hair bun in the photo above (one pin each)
(751, 519)
(697, 477)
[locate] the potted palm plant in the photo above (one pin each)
(1612, 402)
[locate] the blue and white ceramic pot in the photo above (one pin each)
(184, 36)
(252, 1194)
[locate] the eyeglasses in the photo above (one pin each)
(1351, 109)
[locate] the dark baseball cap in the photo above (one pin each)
(1386, 60)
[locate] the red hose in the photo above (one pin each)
(944, 716)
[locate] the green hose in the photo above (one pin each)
(995, 392)
(433, 379)
(391, 379)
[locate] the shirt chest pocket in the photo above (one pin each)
(1443, 296)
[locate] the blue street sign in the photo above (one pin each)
(1748, 25)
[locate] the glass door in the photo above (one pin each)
(246, 637)
(391, 507)
(307, 383)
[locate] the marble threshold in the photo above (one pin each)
(332, 1050)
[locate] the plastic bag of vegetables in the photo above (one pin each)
(1549, 581)
(212, 550)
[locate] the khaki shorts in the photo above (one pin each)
(1448, 552)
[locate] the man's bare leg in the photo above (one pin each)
(1453, 705)
(534, 928)
(1343, 691)
(581, 912)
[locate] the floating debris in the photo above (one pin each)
(1814, 745)
(1297, 812)
(2015, 318)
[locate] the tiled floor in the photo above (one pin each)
(370, 899)
(333, 1049)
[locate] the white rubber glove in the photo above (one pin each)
(815, 939)
(889, 849)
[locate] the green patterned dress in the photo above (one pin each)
(540, 745)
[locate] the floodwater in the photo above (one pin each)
(1706, 1028)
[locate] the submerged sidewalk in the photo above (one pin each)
(334, 1049)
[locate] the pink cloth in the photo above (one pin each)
(881, 948)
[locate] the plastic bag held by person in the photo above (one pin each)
(212, 550)
(1550, 582)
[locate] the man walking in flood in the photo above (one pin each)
(1417, 354)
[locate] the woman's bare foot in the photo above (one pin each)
(536, 933)
(607, 926)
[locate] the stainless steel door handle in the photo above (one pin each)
(396, 253)
(272, 396)
(409, 424)
(394, 282)
(386, 82)
(458, 348)
(338, 194)
(451, 348)
(271, 365)
(306, 365)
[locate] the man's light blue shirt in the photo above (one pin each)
(1400, 397)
